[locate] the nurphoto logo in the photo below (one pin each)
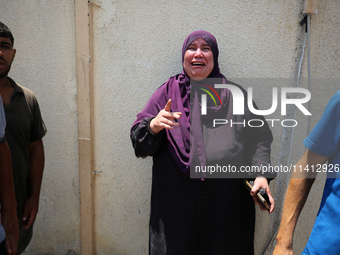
(239, 102)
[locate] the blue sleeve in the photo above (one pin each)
(2, 122)
(325, 137)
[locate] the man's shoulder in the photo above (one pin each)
(22, 89)
(336, 96)
(333, 106)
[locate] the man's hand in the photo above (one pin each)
(30, 212)
(165, 119)
(37, 160)
(283, 249)
(10, 223)
(8, 202)
(262, 183)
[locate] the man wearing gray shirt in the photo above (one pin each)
(25, 129)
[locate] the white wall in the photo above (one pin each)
(137, 47)
(143, 43)
(44, 36)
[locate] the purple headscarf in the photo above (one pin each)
(178, 89)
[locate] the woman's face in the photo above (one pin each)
(198, 60)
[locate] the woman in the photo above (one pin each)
(198, 215)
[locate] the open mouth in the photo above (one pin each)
(197, 64)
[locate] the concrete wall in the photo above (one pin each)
(137, 46)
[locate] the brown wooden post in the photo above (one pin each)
(311, 6)
(83, 13)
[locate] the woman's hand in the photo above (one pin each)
(165, 119)
(262, 183)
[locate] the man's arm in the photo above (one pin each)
(37, 161)
(297, 193)
(7, 200)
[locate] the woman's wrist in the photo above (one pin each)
(152, 128)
